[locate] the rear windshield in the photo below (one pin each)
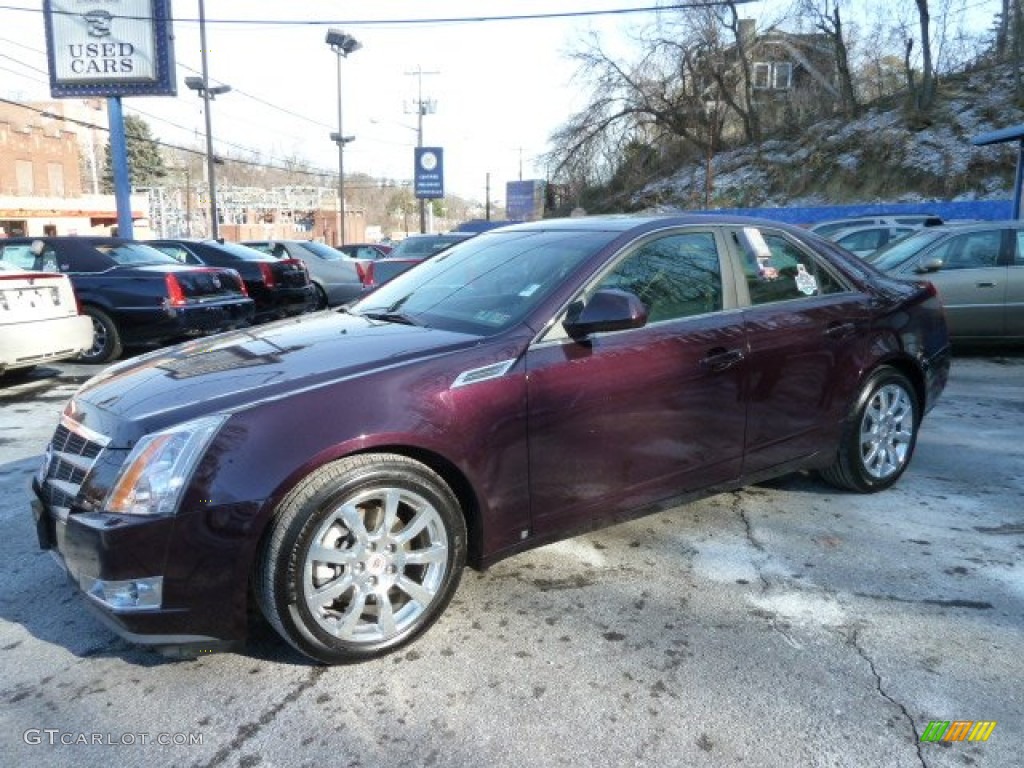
(424, 246)
(133, 254)
(243, 252)
(325, 252)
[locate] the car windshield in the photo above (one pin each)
(899, 252)
(133, 254)
(485, 285)
(325, 252)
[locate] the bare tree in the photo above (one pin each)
(925, 96)
(828, 20)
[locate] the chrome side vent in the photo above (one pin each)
(476, 375)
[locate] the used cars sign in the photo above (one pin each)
(122, 47)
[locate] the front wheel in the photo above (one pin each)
(879, 435)
(365, 555)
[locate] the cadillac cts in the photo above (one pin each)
(339, 469)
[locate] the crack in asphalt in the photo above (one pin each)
(852, 640)
(748, 526)
(249, 730)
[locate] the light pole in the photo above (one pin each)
(422, 108)
(342, 44)
(202, 86)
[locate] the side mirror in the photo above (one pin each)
(607, 310)
(929, 264)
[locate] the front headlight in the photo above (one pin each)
(157, 470)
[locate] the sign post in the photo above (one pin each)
(115, 48)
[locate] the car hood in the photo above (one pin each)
(234, 370)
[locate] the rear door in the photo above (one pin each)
(804, 324)
(626, 418)
(972, 281)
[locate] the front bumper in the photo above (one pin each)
(187, 595)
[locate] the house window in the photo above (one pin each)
(55, 175)
(782, 75)
(776, 75)
(762, 75)
(23, 177)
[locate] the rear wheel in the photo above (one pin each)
(879, 435)
(106, 339)
(321, 297)
(364, 556)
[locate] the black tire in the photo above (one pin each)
(879, 435)
(17, 374)
(106, 339)
(321, 297)
(383, 583)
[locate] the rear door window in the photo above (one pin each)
(777, 269)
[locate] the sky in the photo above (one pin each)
(500, 87)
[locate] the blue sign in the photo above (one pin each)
(114, 48)
(523, 200)
(428, 177)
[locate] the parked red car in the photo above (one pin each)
(522, 386)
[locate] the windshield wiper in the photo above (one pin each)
(389, 317)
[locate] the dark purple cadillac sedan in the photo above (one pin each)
(340, 469)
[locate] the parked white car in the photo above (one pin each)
(915, 220)
(39, 319)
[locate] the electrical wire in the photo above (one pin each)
(695, 4)
(313, 172)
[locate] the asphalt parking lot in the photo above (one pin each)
(784, 625)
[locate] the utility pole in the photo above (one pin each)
(422, 108)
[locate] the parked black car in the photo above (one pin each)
(280, 287)
(336, 276)
(136, 295)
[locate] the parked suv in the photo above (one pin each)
(135, 294)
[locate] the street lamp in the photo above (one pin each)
(342, 44)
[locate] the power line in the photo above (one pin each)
(695, 4)
(237, 161)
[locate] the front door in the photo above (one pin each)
(623, 419)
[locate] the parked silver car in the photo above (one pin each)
(978, 270)
(863, 241)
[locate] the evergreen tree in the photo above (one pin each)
(145, 164)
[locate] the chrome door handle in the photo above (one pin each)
(721, 359)
(840, 330)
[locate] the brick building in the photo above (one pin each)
(44, 159)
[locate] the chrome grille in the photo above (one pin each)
(69, 457)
